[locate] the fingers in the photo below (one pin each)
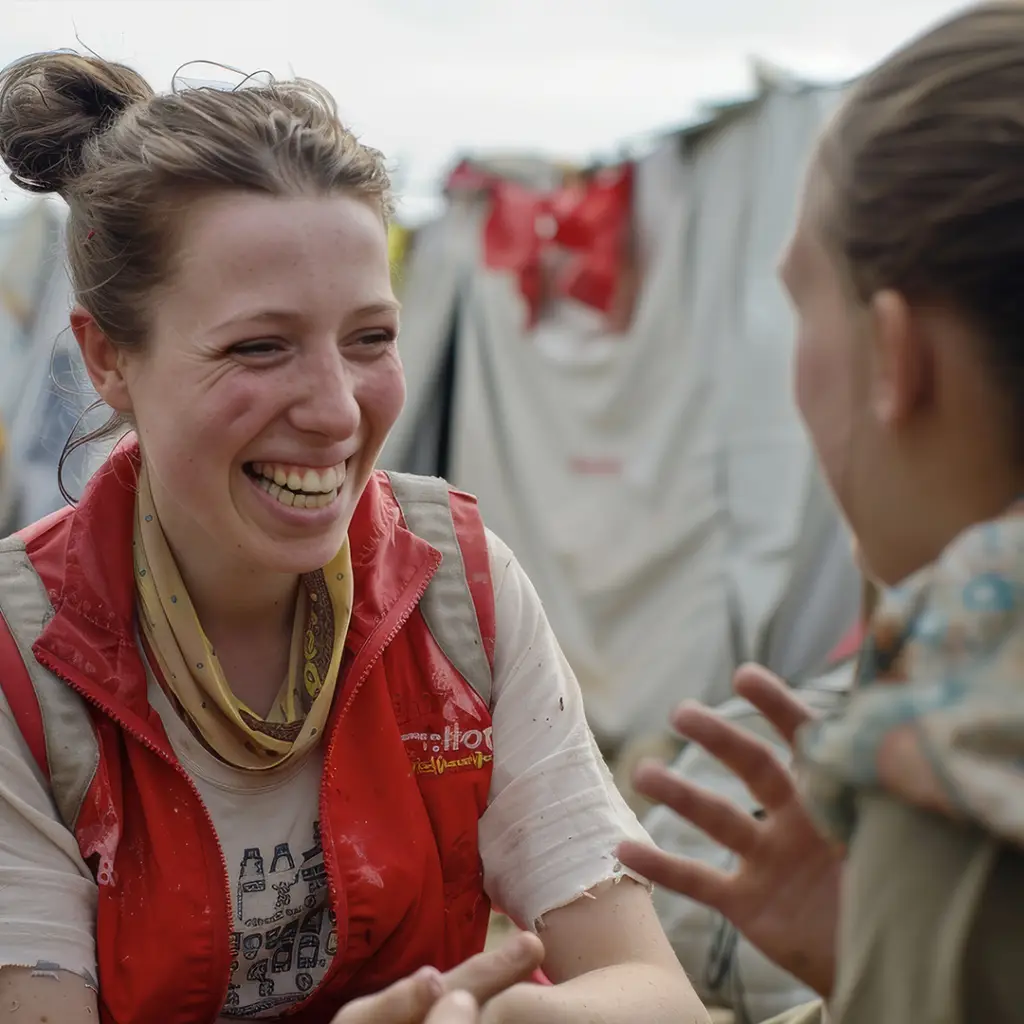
(751, 759)
(479, 978)
(714, 815)
(689, 878)
(455, 1008)
(406, 1002)
(487, 974)
(773, 698)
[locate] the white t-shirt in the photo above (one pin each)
(553, 820)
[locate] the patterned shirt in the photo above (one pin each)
(937, 713)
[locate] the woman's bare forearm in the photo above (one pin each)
(623, 994)
(29, 995)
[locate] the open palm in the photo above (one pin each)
(783, 895)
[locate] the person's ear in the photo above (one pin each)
(103, 361)
(902, 359)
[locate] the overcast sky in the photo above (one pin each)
(426, 79)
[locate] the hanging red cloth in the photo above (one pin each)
(569, 243)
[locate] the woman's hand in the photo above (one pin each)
(457, 1008)
(784, 894)
(426, 997)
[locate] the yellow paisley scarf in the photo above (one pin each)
(192, 673)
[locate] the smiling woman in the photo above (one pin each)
(284, 355)
(269, 734)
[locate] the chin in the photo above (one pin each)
(884, 564)
(292, 557)
(289, 540)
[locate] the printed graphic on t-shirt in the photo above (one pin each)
(285, 932)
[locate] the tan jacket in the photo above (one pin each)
(932, 926)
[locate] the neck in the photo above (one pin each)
(231, 597)
(937, 507)
(246, 612)
(248, 618)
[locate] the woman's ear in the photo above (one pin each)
(902, 367)
(103, 361)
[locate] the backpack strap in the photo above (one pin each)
(21, 698)
(53, 719)
(458, 605)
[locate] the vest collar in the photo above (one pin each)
(91, 639)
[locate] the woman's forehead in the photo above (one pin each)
(282, 252)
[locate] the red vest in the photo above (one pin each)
(164, 929)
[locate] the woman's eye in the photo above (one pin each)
(377, 338)
(262, 347)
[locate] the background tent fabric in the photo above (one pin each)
(8, 489)
(592, 456)
(45, 391)
(27, 237)
(656, 485)
(437, 262)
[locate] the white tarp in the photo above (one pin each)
(44, 387)
(27, 238)
(27, 235)
(436, 266)
(667, 567)
(787, 545)
(626, 560)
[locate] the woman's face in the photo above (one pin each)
(906, 419)
(831, 373)
(271, 379)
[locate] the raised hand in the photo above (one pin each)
(784, 894)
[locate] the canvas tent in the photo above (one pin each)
(655, 483)
(43, 388)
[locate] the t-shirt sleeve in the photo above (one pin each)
(47, 894)
(554, 816)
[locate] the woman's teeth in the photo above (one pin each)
(299, 487)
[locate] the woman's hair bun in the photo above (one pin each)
(51, 105)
